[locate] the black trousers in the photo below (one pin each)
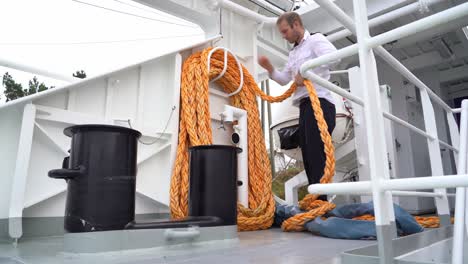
(309, 138)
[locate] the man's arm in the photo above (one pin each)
(281, 77)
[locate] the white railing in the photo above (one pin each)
(380, 185)
(462, 193)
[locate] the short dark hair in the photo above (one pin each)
(290, 17)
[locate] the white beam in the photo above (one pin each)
(453, 74)
(344, 150)
(390, 16)
(23, 156)
(432, 58)
(51, 140)
(444, 17)
(143, 158)
(67, 117)
(432, 32)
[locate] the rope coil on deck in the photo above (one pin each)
(195, 129)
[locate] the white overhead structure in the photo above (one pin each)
(144, 96)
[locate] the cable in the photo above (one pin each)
(264, 8)
(130, 14)
(162, 133)
(146, 10)
(96, 42)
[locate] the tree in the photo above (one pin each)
(80, 74)
(35, 86)
(14, 90)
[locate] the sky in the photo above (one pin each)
(63, 36)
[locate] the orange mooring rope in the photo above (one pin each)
(195, 129)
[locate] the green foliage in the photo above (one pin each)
(80, 74)
(14, 90)
(284, 175)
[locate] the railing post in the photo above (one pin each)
(460, 201)
(378, 162)
(15, 215)
(454, 135)
(435, 156)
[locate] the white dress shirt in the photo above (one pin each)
(310, 47)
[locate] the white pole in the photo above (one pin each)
(332, 87)
(233, 113)
(246, 12)
(407, 125)
(267, 5)
(339, 72)
(426, 23)
(398, 66)
(338, 14)
(378, 161)
(417, 194)
(430, 182)
(364, 188)
(390, 16)
(445, 144)
(460, 200)
(334, 56)
(405, 184)
(341, 188)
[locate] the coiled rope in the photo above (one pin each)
(195, 129)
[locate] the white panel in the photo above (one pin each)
(157, 87)
(55, 131)
(44, 157)
(90, 98)
(58, 100)
(154, 177)
(217, 103)
(54, 206)
(10, 126)
(239, 34)
(125, 94)
(221, 136)
(420, 150)
(144, 205)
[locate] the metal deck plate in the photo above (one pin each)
(268, 246)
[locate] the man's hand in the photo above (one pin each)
(265, 63)
(299, 80)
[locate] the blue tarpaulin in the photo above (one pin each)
(339, 223)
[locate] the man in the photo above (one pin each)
(306, 47)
